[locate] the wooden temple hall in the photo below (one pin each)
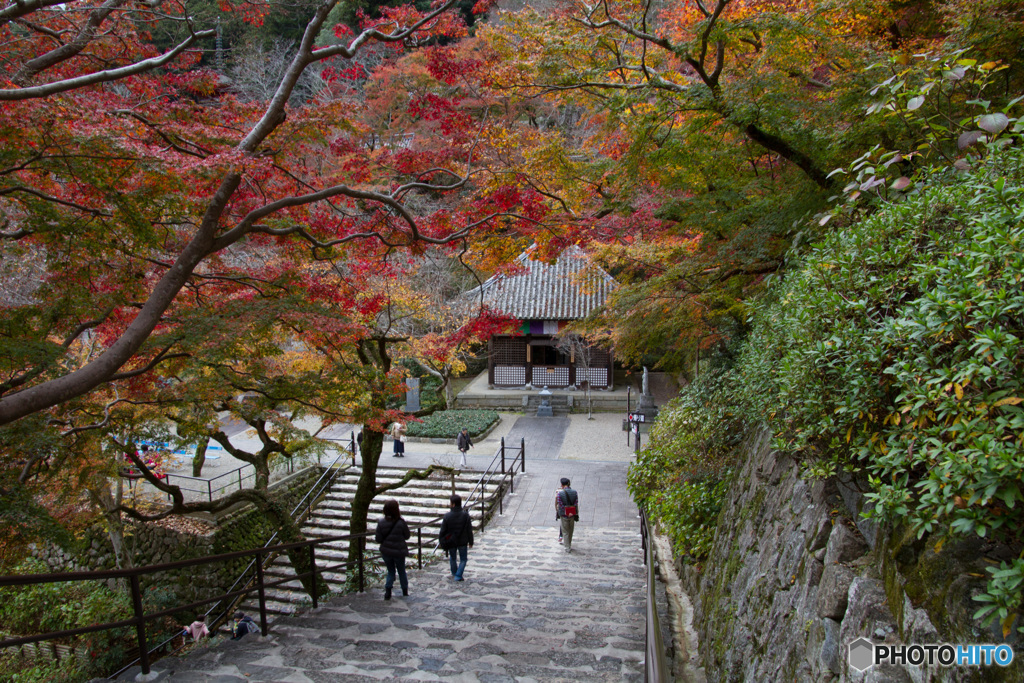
(545, 297)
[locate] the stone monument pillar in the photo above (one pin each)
(412, 394)
(647, 407)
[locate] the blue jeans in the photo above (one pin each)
(396, 563)
(458, 565)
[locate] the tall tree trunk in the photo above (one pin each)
(109, 504)
(200, 457)
(373, 444)
(449, 392)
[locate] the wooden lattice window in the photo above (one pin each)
(550, 377)
(597, 377)
(509, 376)
(598, 358)
(509, 351)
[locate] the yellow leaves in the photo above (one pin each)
(1009, 401)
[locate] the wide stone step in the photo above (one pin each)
(421, 501)
(341, 521)
(526, 611)
(344, 491)
(420, 505)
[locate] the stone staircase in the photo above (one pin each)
(420, 501)
(527, 611)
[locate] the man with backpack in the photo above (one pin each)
(567, 512)
(242, 626)
(456, 536)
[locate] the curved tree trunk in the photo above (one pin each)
(373, 444)
(200, 457)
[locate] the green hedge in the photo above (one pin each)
(446, 424)
(897, 351)
(682, 476)
(893, 351)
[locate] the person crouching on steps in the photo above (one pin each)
(456, 536)
(392, 534)
(567, 512)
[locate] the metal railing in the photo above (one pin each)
(220, 483)
(224, 610)
(656, 667)
(508, 471)
(260, 556)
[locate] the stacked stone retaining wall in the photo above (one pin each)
(239, 528)
(796, 574)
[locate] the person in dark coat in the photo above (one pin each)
(243, 625)
(458, 525)
(463, 443)
(392, 534)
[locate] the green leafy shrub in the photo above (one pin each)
(1005, 596)
(897, 352)
(682, 475)
(17, 669)
(42, 608)
(446, 424)
(894, 350)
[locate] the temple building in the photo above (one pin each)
(546, 297)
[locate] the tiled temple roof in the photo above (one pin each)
(569, 289)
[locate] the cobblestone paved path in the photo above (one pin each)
(527, 611)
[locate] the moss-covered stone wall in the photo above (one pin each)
(240, 528)
(796, 574)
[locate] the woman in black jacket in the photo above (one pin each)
(392, 534)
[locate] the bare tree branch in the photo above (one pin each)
(42, 195)
(106, 76)
(66, 51)
(413, 474)
(160, 357)
(21, 8)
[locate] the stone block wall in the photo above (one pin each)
(795, 575)
(239, 528)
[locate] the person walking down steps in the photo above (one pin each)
(392, 534)
(397, 431)
(567, 513)
(456, 536)
(464, 443)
